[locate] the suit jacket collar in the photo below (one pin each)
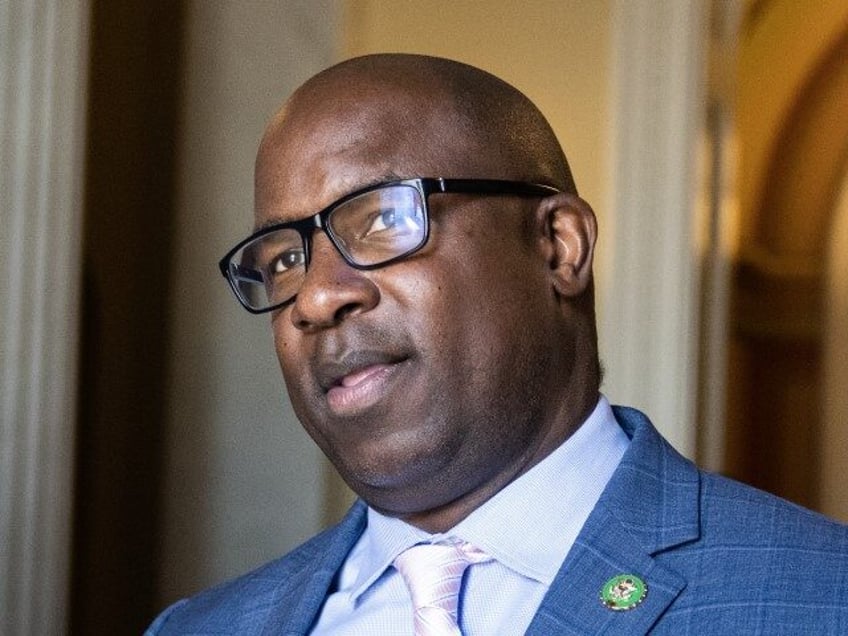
(651, 504)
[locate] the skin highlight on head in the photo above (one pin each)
(479, 352)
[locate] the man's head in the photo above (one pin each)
(434, 381)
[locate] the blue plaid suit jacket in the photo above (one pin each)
(718, 558)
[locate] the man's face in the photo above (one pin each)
(425, 381)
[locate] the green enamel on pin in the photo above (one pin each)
(623, 592)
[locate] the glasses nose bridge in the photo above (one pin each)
(307, 234)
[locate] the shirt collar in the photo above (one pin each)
(531, 524)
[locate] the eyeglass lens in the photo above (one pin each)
(369, 229)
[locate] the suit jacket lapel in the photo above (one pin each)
(650, 505)
(295, 603)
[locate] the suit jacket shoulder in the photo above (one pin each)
(718, 557)
(281, 597)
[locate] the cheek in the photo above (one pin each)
(471, 316)
(286, 347)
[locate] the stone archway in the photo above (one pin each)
(778, 287)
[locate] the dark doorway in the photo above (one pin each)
(134, 93)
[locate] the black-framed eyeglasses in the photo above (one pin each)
(370, 228)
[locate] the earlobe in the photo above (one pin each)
(571, 232)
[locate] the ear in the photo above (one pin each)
(570, 233)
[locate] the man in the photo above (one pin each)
(428, 268)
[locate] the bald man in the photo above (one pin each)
(427, 267)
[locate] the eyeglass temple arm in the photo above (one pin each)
(493, 186)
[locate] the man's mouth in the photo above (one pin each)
(362, 389)
(359, 381)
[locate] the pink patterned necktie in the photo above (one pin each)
(433, 573)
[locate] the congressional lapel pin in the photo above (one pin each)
(623, 592)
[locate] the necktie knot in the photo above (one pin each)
(433, 573)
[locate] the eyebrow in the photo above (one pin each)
(267, 224)
(383, 178)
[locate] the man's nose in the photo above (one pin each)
(332, 290)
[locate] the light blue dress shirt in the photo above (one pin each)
(528, 528)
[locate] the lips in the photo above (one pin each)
(359, 380)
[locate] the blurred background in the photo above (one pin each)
(148, 449)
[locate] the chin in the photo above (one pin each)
(394, 476)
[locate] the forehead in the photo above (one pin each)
(329, 142)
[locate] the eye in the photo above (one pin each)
(286, 260)
(383, 220)
(398, 220)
